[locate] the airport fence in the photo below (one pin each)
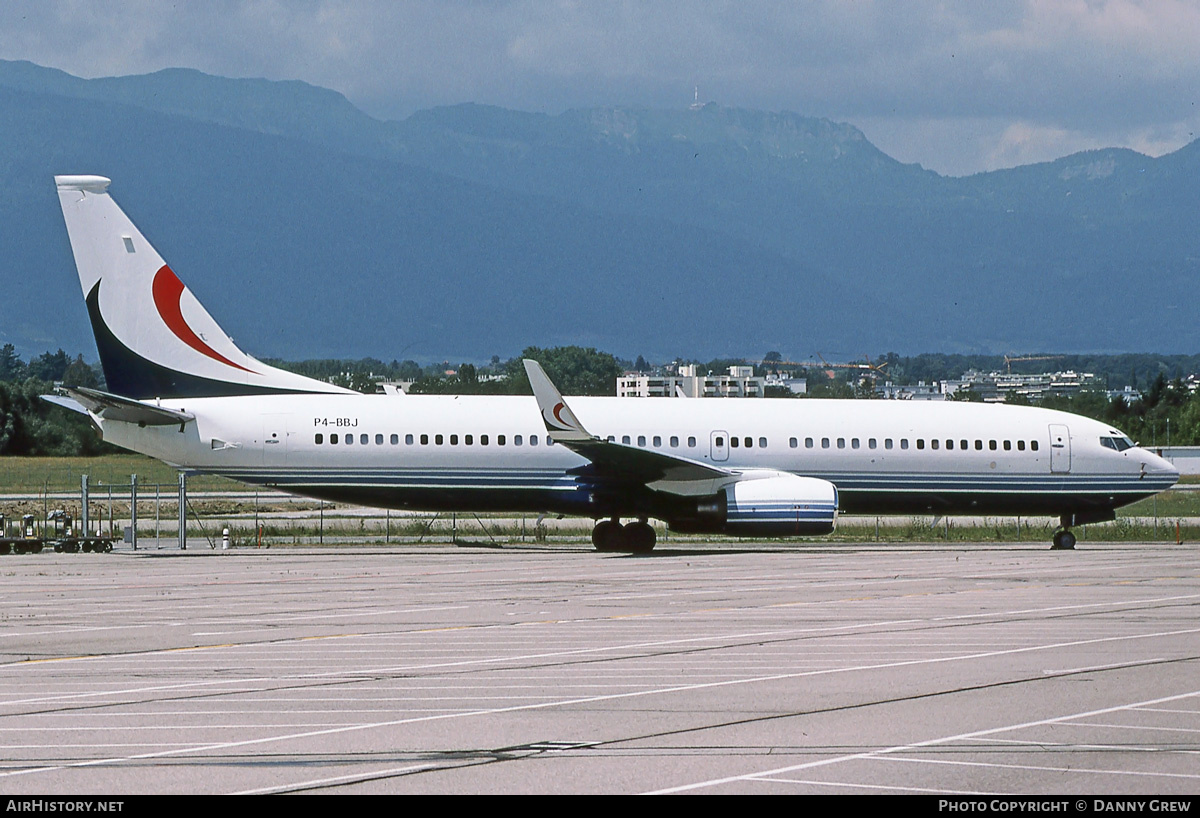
(219, 512)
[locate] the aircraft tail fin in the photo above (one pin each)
(154, 338)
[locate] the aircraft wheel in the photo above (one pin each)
(640, 537)
(607, 535)
(1063, 541)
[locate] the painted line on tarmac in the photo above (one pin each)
(221, 746)
(900, 748)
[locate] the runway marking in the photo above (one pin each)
(1134, 727)
(109, 728)
(626, 617)
(94, 746)
(142, 626)
(1113, 666)
(849, 785)
(261, 619)
(1077, 746)
(209, 747)
(1036, 767)
(93, 694)
(900, 748)
(344, 779)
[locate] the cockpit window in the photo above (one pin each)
(1118, 444)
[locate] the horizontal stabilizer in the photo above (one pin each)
(66, 403)
(114, 407)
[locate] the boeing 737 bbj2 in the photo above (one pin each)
(180, 390)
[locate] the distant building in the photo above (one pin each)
(1184, 458)
(739, 383)
(995, 387)
(922, 391)
(797, 386)
(1127, 394)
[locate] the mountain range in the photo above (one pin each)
(310, 229)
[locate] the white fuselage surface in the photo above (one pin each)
(492, 453)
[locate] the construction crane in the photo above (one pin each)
(866, 367)
(1009, 359)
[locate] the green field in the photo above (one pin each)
(37, 474)
(1174, 503)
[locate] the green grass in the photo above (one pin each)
(33, 474)
(1004, 529)
(1167, 504)
(849, 530)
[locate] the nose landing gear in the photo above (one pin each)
(1063, 539)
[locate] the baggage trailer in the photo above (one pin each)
(58, 532)
(63, 537)
(24, 540)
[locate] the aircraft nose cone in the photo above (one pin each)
(1159, 467)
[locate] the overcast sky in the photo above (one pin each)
(959, 87)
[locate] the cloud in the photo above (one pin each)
(1065, 73)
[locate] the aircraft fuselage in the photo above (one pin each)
(493, 453)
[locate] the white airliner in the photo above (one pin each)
(181, 391)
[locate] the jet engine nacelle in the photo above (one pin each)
(778, 505)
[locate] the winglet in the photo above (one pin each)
(88, 184)
(560, 421)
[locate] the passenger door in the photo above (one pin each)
(1060, 449)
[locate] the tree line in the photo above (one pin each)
(30, 425)
(1164, 412)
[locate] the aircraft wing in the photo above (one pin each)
(114, 407)
(618, 462)
(615, 461)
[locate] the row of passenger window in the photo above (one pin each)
(888, 443)
(719, 442)
(656, 440)
(438, 440)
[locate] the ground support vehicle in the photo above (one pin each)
(58, 532)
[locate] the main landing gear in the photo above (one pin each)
(1063, 539)
(635, 538)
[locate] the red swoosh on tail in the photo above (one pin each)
(558, 417)
(168, 289)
